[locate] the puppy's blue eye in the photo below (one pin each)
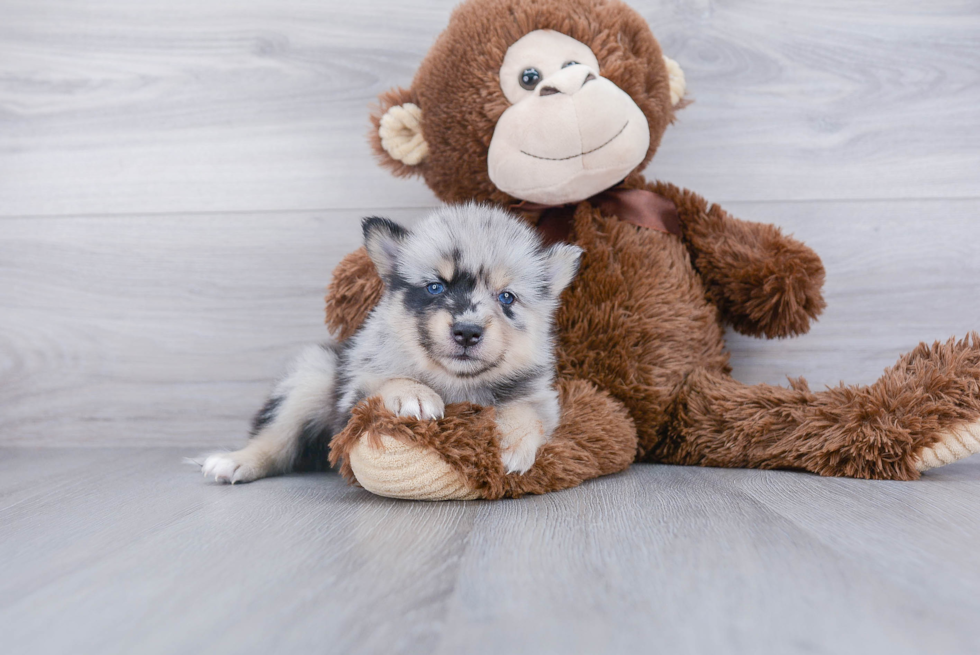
(506, 298)
(435, 288)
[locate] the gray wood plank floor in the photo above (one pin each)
(128, 551)
(177, 180)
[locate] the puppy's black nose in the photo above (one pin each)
(467, 334)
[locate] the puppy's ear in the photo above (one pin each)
(561, 262)
(383, 239)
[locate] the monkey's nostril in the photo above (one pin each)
(549, 90)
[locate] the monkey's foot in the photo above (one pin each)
(458, 457)
(954, 444)
(397, 469)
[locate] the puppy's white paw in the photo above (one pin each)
(239, 466)
(521, 434)
(519, 445)
(410, 398)
(519, 457)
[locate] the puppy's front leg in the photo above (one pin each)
(407, 397)
(522, 431)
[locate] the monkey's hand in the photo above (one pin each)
(764, 282)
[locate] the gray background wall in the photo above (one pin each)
(177, 180)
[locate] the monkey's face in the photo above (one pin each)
(569, 132)
(549, 101)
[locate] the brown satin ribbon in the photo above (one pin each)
(634, 206)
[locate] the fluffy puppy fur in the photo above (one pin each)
(466, 316)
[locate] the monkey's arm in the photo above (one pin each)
(764, 282)
(458, 457)
(353, 292)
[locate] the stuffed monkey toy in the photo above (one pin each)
(553, 108)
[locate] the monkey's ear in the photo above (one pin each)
(383, 240)
(677, 83)
(396, 133)
(562, 264)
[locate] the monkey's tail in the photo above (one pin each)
(922, 413)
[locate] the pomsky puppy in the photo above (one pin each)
(466, 315)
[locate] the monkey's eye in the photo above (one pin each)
(569, 63)
(435, 288)
(530, 78)
(506, 298)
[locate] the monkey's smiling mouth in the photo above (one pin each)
(581, 154)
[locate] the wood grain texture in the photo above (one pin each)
(151, 330)
(191, 106)
(178, 179)
(128, 550)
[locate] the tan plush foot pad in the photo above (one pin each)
(953, 445)
(401, 470)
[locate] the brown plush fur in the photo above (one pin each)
(596, 437)
(863, 432)
(764, 283)
(642, 365)
(353, 292)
